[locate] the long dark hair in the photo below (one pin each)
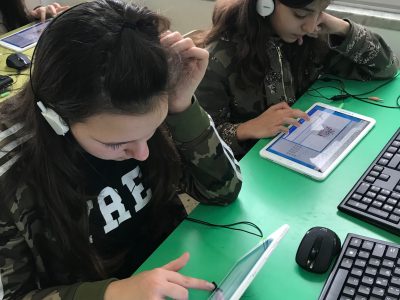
(14, 13)
(100, 56)
(239, 20)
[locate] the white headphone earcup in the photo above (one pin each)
(265, 7)
(54, 119)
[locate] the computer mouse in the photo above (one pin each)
(317, 249)
(18, 61)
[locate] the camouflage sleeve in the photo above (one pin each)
(211, 173)
(216, 98)
(18, 270)
(362, 55)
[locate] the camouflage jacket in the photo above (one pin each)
(361, 55)
(23, 263)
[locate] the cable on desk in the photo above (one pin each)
(230, 226)
(344, 94)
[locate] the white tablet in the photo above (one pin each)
(25, 38)
(245, 269)
(317, 146)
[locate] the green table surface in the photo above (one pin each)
(273, 195)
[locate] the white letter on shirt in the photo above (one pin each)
(115, 205)
(136, 190)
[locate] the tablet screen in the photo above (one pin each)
(318, 143)
(27, 36)
(238, 273)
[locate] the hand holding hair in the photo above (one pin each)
(194, 64)
(158, 283)
(271, 122)
(51, 10)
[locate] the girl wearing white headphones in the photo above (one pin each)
(93, 152)
(264, 54)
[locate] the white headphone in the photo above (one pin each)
(54, 119)
(265, 7)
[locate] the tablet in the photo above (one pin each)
(245, 269)
(24, 39)
(317, 146)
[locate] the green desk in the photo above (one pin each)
(273, 195)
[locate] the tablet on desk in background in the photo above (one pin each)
(25, 38)
(317, 146)
(245, 269)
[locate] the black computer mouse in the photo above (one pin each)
(18, 61)
(317, 249)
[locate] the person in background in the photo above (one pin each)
(93, 153)
(264, 54)
(14, 14)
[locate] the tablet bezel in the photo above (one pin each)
(16, 48)
(276, 237)
(310, 172)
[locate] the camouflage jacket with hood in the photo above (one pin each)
(212, 176)
(361, 55)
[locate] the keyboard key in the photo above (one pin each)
(364, 254)
(377, 168)
(363, 188)
(367, 245)
(354, 281)
(394, 218)
(385, 192)
(394, 291)
(370, 179)
(357, 197)
(374, 262)
(388, 263)
(364, 290)
(355, 242)
(383, 162)
(395, 280)
(347, 263)
(392, 252)
(378, 212)
(370, 271)
(351, 252)
(385, 272)
(381, 198)
(394, 162)
(348, 290)
(379, 250)
(378, 291)
(384, 177)
(383, 282)
(336, 285)
(358, 205)
(367, 280)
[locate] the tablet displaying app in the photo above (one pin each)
(245, 269)
(318, 145)
(25, 38)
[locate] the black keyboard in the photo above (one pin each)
(366, 269)
(375, 198)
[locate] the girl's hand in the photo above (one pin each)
(328, 24)
(50, 10)
(194, 60)
(271, 122)
(157, 284)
